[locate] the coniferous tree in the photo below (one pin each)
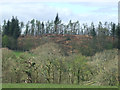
(17, 29)
(118, 34)
(51, 27)
(27, 29)
(6, 28)
(57, 22)
(100, 29)
(32, 27)
(21, 26)
(43, 31)
(12, 28)
(47, 27)
(113, 29)
(77, 27)
(92, 31)
(38, 27)
(107, 29)
(11, 32)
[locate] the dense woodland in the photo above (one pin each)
(53, 52)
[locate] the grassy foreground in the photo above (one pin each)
(8, 85)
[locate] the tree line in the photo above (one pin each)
(12, 29)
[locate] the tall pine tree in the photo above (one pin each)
(57, 22)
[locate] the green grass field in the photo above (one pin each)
(8, 85)
(17, 53)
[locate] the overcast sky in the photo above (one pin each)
(85, 11)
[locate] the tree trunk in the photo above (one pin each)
(60, 72)
(78, 76)
(48, 78)
(72, 80)
(53, 77)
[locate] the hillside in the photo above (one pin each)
(87, 45)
